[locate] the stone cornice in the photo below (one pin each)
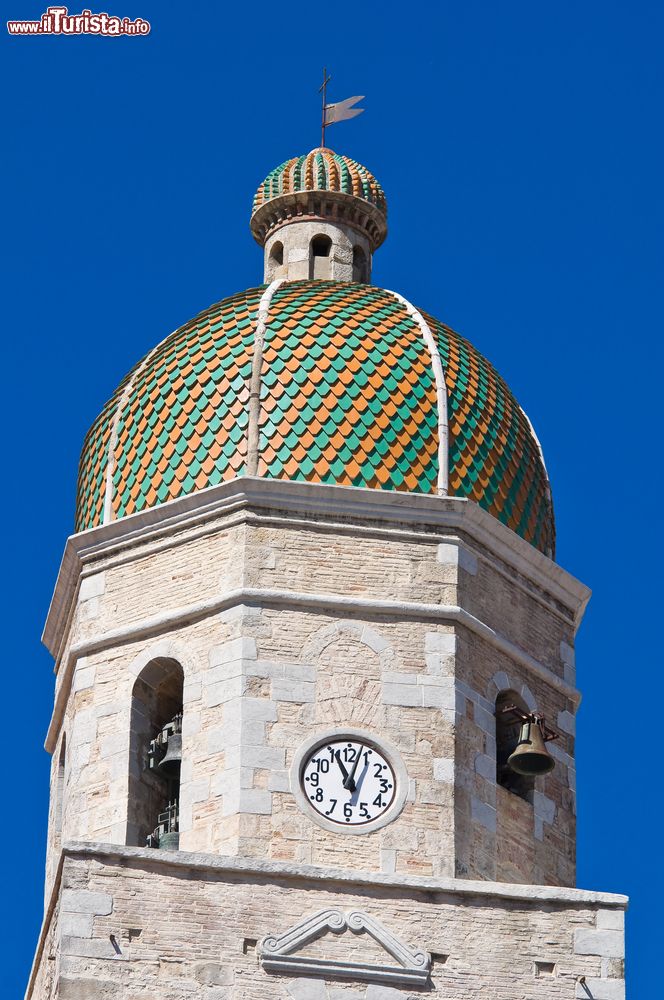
(253, 868)
(336, 507)
(319, 205)
(266, 598)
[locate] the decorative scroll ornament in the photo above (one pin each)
(278, 953)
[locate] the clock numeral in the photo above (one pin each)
(348, 763)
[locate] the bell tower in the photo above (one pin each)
(315, 697)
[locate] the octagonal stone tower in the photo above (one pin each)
(313, 527)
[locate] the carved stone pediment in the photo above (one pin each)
(283, 953)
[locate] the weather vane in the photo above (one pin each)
(338, 112)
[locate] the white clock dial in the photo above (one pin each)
(348, 781)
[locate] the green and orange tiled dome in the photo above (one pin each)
(347, 397)
(321, 170)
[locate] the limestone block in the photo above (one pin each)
(224, 691)
(544, 806)
(402, 694)
(84, 675)
(456, 555)
(89, 947)
(440, 695)
(605, 943)
(378, 992)
(242, 648)
(255, 800)
(292, 689)
(193, 691)
(112, 744)
(439, 664)
(611, 920)
(92, 586)
(483, 813)
(443, 769)
(567, 722)
(279, 781)
(86, 989)
(213, 974)
(76, 924)
(270, 758)
(307, 989)
(374, 641)
(258, 710)
(440, 642)
(485, 766)
(485, 720)
(600, 989)
(388, 860)
(86, 901)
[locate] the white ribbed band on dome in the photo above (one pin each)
(442, 483)
(547, 481)
(255, 384)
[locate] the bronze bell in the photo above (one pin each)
(170, 763)
(530, 756)
(169, 841)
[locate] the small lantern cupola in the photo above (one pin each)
(319, 216)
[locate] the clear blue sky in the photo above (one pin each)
(520, 146)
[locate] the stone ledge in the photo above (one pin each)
(293, 600)
(316, 502)
(283, 870)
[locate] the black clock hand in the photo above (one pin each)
(343, 769)
(349, 783)
(358, 784)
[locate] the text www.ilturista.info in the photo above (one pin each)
(58, 21)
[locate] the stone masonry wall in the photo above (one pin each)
(135, 926)
(262, 676)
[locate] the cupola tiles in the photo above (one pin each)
(317, 376)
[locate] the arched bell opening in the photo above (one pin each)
(360, 266)
(320, 249)
(508, 732)
(155, 756)
(275, 261)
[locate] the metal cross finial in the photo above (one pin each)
(323, 90)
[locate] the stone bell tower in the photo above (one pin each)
(309, 613)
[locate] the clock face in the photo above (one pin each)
(348, 781)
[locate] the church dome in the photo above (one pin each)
(347, 390)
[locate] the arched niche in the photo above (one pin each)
(275, 260)
(320, 249)
(360, 265)
(156, 700)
